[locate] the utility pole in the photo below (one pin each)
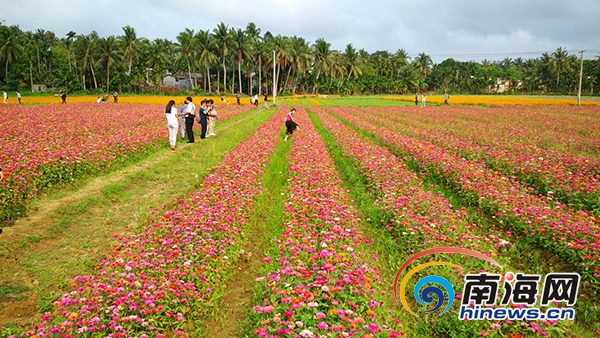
(580, 79)
(274, 79)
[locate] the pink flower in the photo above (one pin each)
(322, 326)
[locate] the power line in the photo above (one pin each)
(493, 54)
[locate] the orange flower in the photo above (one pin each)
(73, 316)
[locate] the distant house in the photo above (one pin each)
(503, 85)
(39, 88)
(181, 80)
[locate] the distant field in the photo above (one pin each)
(332, 100)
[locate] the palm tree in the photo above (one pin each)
(322, 56)
(186, 49)
(10, 45)
(84, 45)
(243, 46)
(261, 53)
(300, 58)
(560, 63)
(109, 54)
(281, 45)
(206, 46)
(423, 64)
(223, 42)
(70, 36)
(129, 43)
(351, 59)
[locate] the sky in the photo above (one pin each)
(464, 30)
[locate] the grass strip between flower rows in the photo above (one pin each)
(167, 278)
(320, 282)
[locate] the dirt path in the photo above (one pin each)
(85, 237)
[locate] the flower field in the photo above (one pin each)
(137, 99)
(51, 144)
(507, 182)
(498, 100)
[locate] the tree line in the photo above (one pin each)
(235, 60)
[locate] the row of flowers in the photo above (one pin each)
(320, 283)
(422, 219)
(567, 133)
(129, 99)
(419, 217)
(164, 279)
(550, 172)
(46, 145)
(574, 236)
(496, 100)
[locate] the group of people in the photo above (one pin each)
(423, 99)
(5, 97)
(206, 116)
(104, 99)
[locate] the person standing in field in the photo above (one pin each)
(256, 100)
(115, 97)
(212, 118)
(290, 125)
(423, 100)
(64, 97)
(189, 114)
(19, 97)
(416, 99)
(203, 118)
(181, 110)
(446, 97)
(172, 123)
(5, 96)
(265, 99)
(237, 97)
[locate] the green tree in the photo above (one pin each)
(129, 44)
(109, 54)
(223, 41)
(11, 47)
(560, 63)
(186, 50)
(243, 48)
(207, 56)
(423, 64)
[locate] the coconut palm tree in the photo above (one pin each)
(129, 43)
(84, 49)
(323, 58)
(70, 37)
(109, 54)
(261, 54)
(207, 56)
(186, 50)
(300, 59)
(281, 45)
(11, 48)
(351, 59)
(223, 42)
(423, 64)
(242, 46)
(560, 63)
